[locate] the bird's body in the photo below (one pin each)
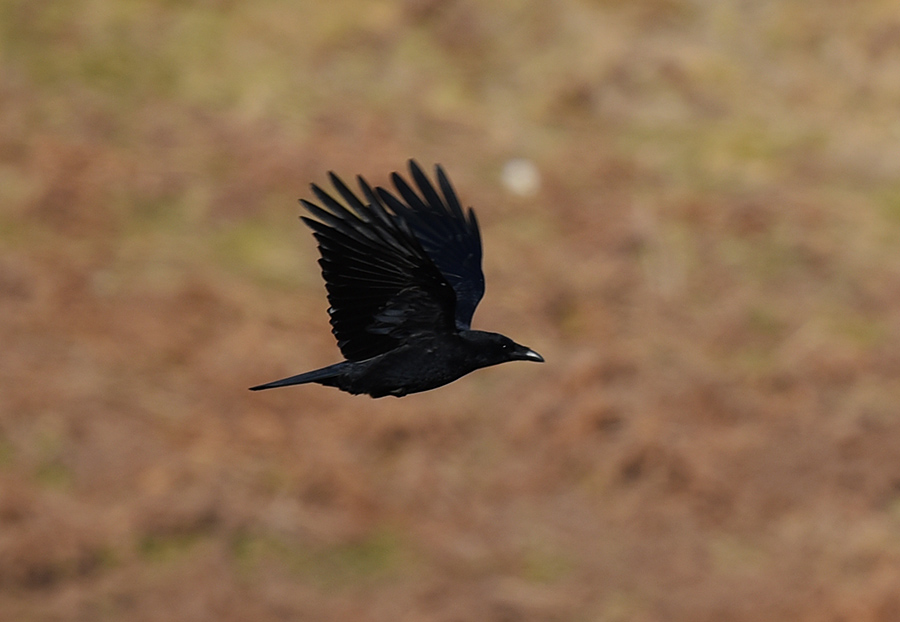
(421, 364)
(403, 279)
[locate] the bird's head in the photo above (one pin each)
(494, 348)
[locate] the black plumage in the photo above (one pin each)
(403, 275)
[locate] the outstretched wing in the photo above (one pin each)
(382, 285)
(449, 236)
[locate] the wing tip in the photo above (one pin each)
(414, 167)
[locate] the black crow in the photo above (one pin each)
(403, 275)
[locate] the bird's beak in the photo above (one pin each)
(530, 355)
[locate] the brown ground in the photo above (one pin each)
(711, 269)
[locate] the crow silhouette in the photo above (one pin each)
(403, 276)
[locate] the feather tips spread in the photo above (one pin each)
(394, 267)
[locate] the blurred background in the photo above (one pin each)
(691, 208)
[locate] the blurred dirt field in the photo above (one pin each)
(710, 266)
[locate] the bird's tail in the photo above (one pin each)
(326, 376)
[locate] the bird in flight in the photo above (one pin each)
(403, 276)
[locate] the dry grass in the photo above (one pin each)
(711, 269)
